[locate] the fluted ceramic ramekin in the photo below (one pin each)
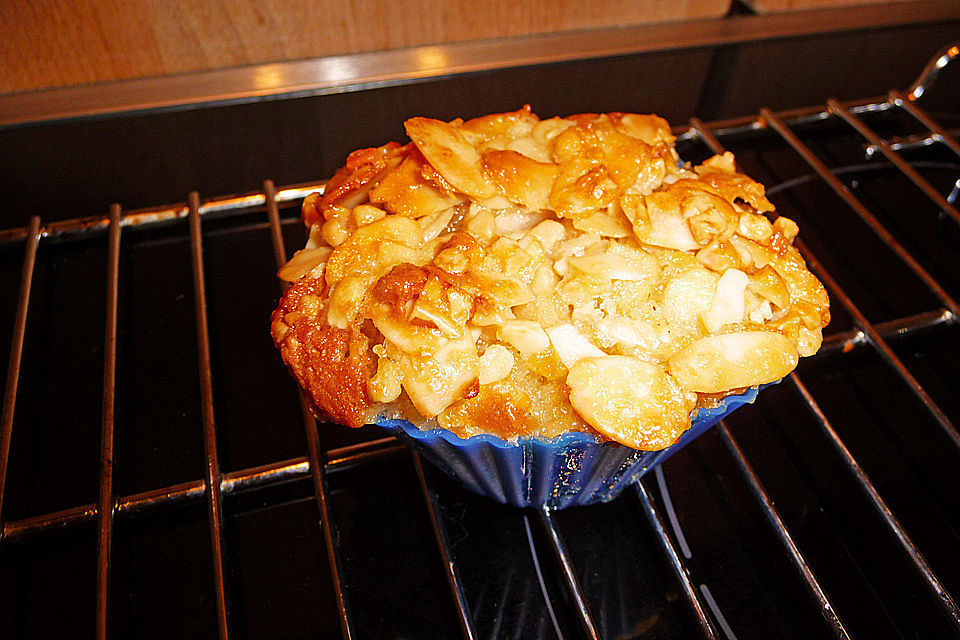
(570, 470)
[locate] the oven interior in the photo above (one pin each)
(159, 475)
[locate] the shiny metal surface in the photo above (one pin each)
(443, 543)
(213, 481)
(584, 616)
(947, 605)
(106, 504)
(676, 564)
(783, 534)
(336, 74)
(317, 468)
(16, 352)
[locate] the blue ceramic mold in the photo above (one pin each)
(570, 470)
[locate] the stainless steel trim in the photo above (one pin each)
(352, 72)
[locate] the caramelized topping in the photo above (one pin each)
(402, 284)
(528, 278)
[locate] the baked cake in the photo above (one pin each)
(525, 277)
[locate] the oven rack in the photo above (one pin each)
(318, 464)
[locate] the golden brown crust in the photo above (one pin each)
(503, 412)
(331, 364)
(521, 179)
(363, 167)
(414, 189)
(401, 285)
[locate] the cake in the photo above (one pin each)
(528, 278)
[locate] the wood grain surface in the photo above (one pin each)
(781, 6)
(49, 43)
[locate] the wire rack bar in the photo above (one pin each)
(569, 575)
(862, 212)
(909, 143)
(342, 459)
(233, 203)
(783, 534)
(212, 481)
(16, 351)
(899, 328)
(876, 340)
(165, 214)
(317, 468)
(352, 456)
(330, 536)
(676, 564)
(933, 584)
(928, 77)
(869, 331)
(921, 116)
(796, 117)
(105, 504)
(895, 158)
(871, 335)
(443, 542)
(271, 198)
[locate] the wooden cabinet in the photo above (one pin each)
(49, 43)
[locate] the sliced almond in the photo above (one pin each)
(571, 345)
(495, 364)
(720, 363)
(303, 262)
(729, 302)
(631, 401)
(523, 180)
(450, 154)
(526, 336)
(433, 382)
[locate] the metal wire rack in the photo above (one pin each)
(319, 464)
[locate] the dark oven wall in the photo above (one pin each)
(77, 168)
